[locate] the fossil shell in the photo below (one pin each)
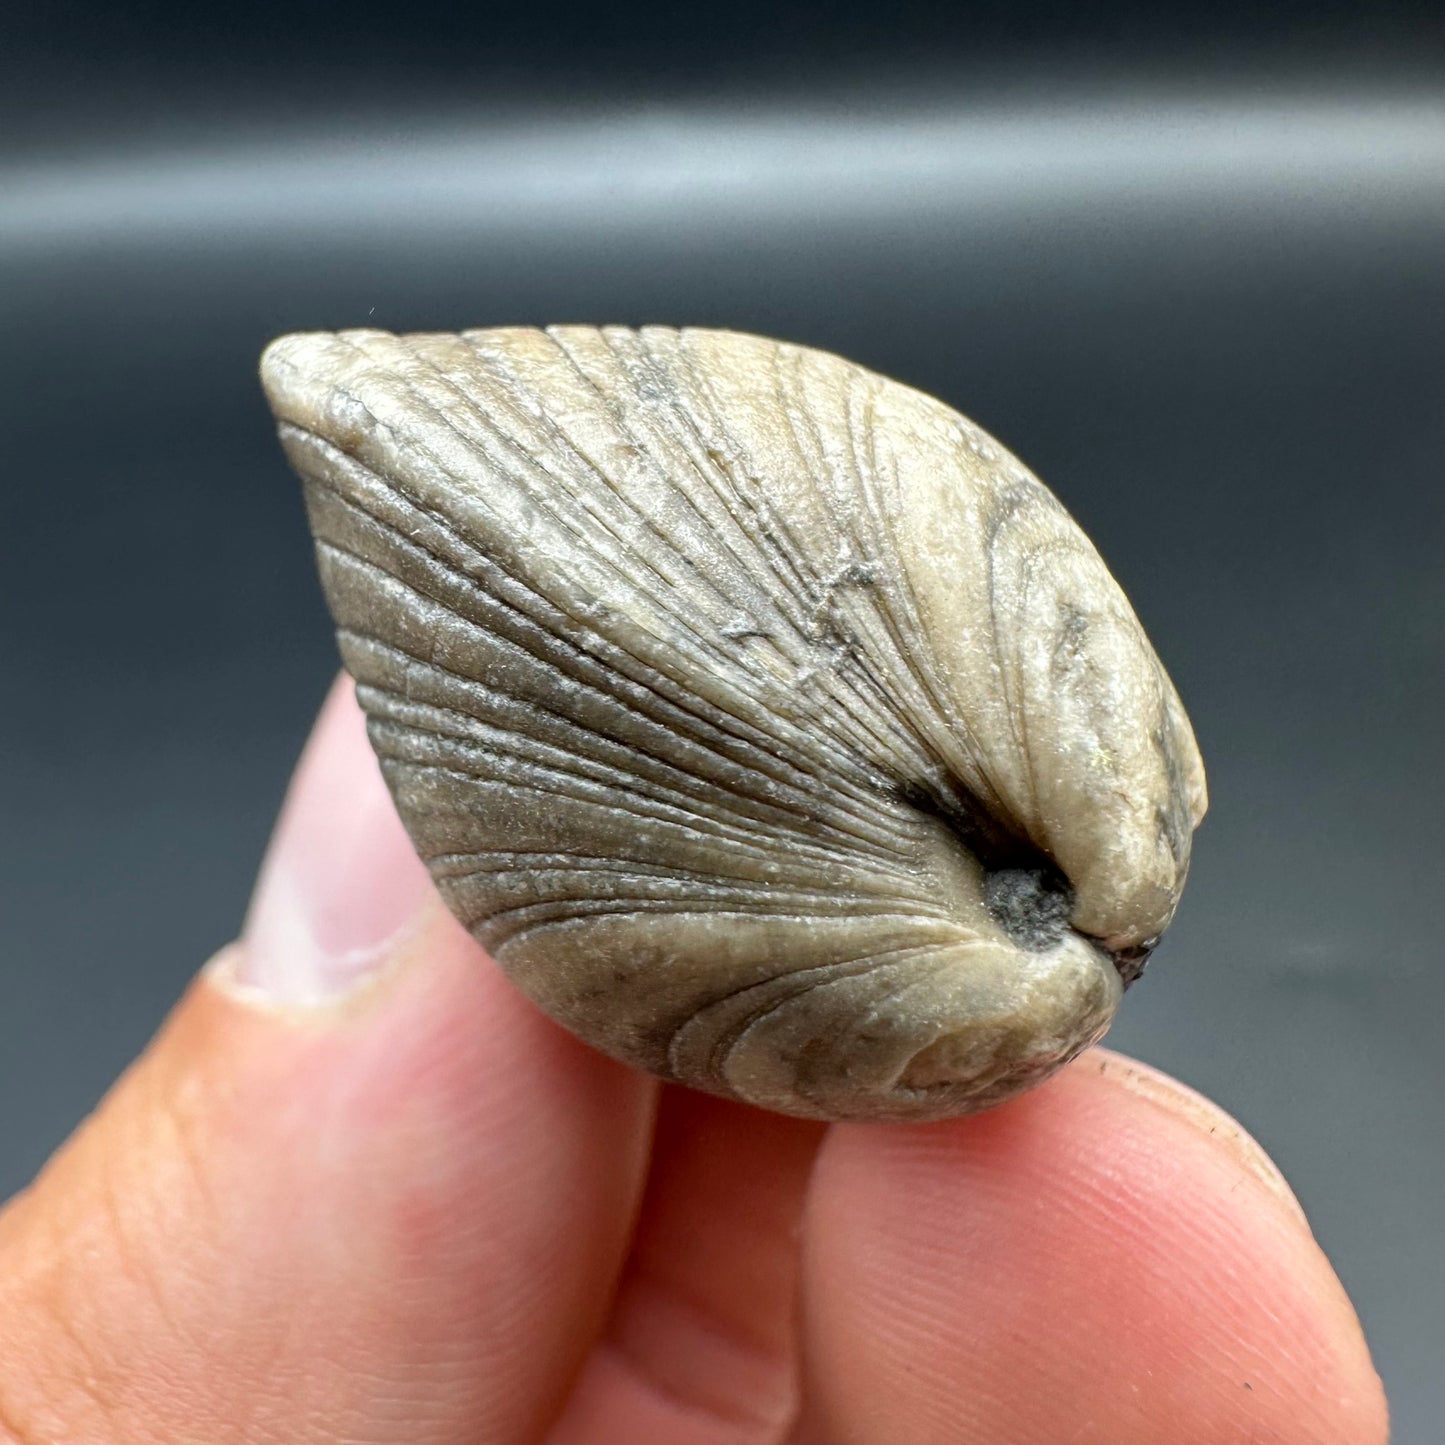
(773, 727)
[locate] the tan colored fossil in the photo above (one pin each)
(773, 727)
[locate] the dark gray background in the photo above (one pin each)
(1187, 264)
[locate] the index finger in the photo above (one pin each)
(1108, 1259)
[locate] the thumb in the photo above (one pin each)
(357, 1188)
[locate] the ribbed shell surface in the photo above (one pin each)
(771, 725)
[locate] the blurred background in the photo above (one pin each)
(1186, 262)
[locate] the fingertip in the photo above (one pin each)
(1109, 1255)
(340, 880)
(1189, 1106)
(403, 1198)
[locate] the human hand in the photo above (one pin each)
(359, 1190)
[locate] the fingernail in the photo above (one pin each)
(340, 881)
(1184, 1103)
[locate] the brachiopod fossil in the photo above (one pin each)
(772, 726)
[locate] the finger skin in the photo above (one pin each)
(701, 1344)
(399, 1218)
(1108, 1259)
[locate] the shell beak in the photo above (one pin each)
(1131, 962)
